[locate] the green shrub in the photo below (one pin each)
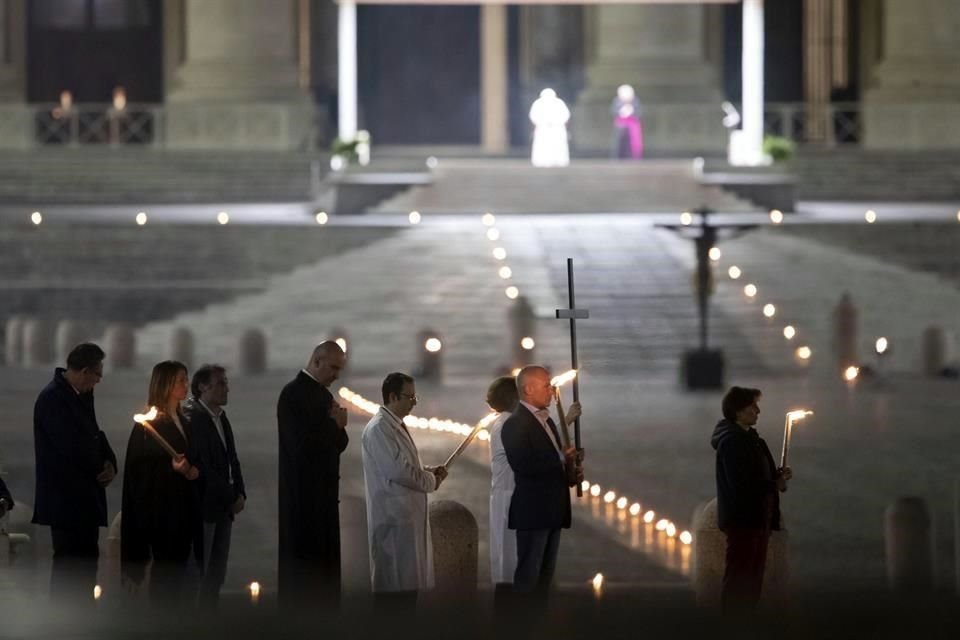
(778, 148)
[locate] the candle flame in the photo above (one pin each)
(563, 378)
(97, 592)
(140, 418)
(649, 516)
(799, 414)
(597, 582)
(686, 537)
(254, 589)
(635, 509)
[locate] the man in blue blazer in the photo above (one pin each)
(544, 472)
(222, 493)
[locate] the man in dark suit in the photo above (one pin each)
(74, 463)
(312, 430)
(544, 473)
(222, 493)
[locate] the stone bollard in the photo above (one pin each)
(13, 341)
(937, 350)
(37, 342)
(253, 352)
(69, 334)
(709, 561)
(12, 530)
(522, 322)
(908, 540)
(455, 547)
(845, 333)
(113, 538)
(430, 361)
(121, 346)
(181, 346)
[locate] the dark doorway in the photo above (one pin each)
(91, 46)
(419, 73)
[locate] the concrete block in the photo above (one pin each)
(455, 547)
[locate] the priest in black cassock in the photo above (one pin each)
(312, 430)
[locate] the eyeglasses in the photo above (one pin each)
(410, 396)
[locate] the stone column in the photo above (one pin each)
(665, 52)
(914, 97)
(238, 83)
(493, 78)
(15, 121)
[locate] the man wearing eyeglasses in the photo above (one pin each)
(74, 465)
(397, 484)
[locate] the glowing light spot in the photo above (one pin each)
(715, 253)
(488, 219)
(649, 516)
(595, 490)
(686, 537)
(621, 503)
(776, 216)
(734, 272)
(493, 234)
(414, 217)
(769, 310)
(223, 217)
(609, 497)
(597, 583)
(254, 589)
(512, 292)
(342, 343)
(870, 216)
(671, 529)
(635, 509)
(505, 272)
(433, 345)
(432, 162)
(750, 290)
(804, 352)
(528, 343)
(515, 372)
(322, 217)
(141, 218)
(882, 345)
(36, 218)
(686, 219)
(585, 485)
(337, 163)
(500, 253)
(97, 592)
(789, 332)
(662, 524)
(850, 374)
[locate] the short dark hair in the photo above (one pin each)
(502, 394)
(738, 399)
(204, 375)
(393, 384)
(85, 355)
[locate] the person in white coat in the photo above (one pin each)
(549, 115)
(397, 484)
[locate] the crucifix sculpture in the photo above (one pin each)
(572, 313)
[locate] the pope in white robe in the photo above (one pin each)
(549, 115)
(397, 484)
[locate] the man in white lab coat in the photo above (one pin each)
(397, 484)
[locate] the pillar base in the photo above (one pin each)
(255, 125)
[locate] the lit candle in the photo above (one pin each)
(597, 585)
(143, 419)
(791, 417)
(470, 436)
(254, 589)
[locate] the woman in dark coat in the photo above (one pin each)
(161, 512)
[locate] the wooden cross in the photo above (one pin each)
(573, 314)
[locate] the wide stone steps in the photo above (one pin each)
(878, 175)
(514, 186)
(102, 176)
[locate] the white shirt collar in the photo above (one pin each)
(209, 410)
(310, 375)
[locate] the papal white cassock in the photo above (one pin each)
(398, 525)
(503, 541)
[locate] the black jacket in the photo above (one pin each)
(309, 489)
(541, 499)
(747, 494)
(5, 495)
(215, 462)
(71, 451)
(161, 508)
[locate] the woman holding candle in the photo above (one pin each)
(748, 502)
(161, 512)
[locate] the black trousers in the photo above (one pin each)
(536, 559)
(74, 572)
(746, 560)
